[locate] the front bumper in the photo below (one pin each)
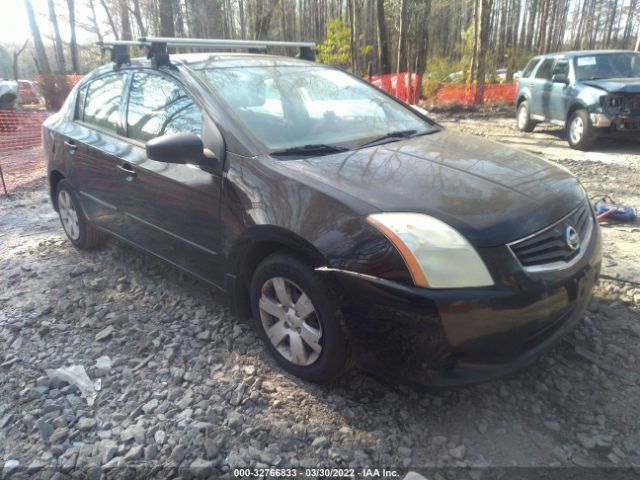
(608, 124)
(462, 336)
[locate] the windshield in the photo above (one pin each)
(289, 106)
(609, 65)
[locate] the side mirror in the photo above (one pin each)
(560, 78)
(177, 148)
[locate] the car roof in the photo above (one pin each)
(576, 53)
(217, 60)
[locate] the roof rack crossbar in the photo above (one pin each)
(159, 55)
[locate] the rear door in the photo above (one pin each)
(172, 210)
(94, 147)
(540, 85)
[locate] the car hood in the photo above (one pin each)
(616, 85)
(491, 193)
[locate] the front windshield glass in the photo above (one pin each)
(289, 106)
(609, 65)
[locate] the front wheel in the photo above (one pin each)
(78, 229)
(580, 132)
(298, 319)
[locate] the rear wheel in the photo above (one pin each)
(78, 229)
(525, 124)
(298, 319)
(580, 132)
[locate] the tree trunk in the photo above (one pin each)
(57, 40)
(16, 54)
(112, 24)
(383, 51)
(483, 37)
(638, 41)
(137, 15)
(402, 38)
(167, 26)
(125, 21)
(73, 43)
(94, 19)
(41, 55)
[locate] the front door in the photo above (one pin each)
(171, 210)
(559, 95)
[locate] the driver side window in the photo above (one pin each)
(158, 106)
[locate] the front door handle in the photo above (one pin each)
(71, 145)
(128, 169)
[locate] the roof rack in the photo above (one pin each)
(160, 57)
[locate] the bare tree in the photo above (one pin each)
(73, 43)
(167, 26)
(402, 38)
(383, 50)
(125, 21)
(41, 56)
(112, 23)
(16, 54)
(57, 40)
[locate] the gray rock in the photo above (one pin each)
(586, 441)
(211, 448)
(80, 269)
(404, 452)
(133, 432)
(234, 460)
(45, 429)
(160, 437)
(86, 423)
(552, 425)
(150, 406)
(234, 419)
(10, 466)
(134, 453)
(94, 472)
(105, 333)
(58, 435)
(483, 426)
(151, 452)
(320, 442)
(107, 450)
(457, 452)
(35, 466)
(178, 454)
(201, 468)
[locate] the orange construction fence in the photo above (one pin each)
(21, 159)
(403, 85)
(463, 94)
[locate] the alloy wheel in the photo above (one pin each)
(68, 215)
(290, 321)
(576, 130)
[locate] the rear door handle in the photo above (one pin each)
(71, 145)
(128, 169)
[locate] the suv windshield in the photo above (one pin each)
(290, 106)
(609, 65)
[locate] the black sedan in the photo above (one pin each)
(352, 228)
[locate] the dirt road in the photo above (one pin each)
(186, 389)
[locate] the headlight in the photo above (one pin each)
(615, 101)
(436, 255)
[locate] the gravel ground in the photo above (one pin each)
(184, 389)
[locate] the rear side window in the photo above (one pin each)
(529, 68)
(159, 106)
(544, 70)
(102, 103)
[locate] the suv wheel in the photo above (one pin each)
(298, 319)
(525, 124)
(580, 133)
(78, 229)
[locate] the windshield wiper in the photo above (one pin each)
(311, 149)
(393, 136)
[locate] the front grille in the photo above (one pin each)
(632, 102)
(549, 247)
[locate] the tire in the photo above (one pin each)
(76, 226)
(523, 118)
(580, 132)
(291, 346)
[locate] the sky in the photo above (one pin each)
(14, 26)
